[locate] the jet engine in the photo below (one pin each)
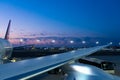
(5, 49)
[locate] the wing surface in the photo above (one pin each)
(32, 67)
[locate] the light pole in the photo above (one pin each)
(83, 42)
(37, 40)
(53, 41)
(71, 41)
(21, 41)
(111, 43)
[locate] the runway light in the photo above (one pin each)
(83, 69)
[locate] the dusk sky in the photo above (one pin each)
(77, 18)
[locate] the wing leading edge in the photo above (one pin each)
(42, 64)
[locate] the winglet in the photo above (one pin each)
(7, 31)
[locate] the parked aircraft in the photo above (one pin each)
(5, 45)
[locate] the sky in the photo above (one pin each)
(76, 18)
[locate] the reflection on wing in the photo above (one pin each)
(79, 71)
(42, 64)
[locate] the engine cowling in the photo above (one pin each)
(5, 49)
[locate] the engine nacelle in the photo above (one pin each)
(79, 71)
(5, 49)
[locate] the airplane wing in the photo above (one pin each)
(31, 67)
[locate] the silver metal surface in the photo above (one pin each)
(78, 71)
(5, 49)
(45, 63)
